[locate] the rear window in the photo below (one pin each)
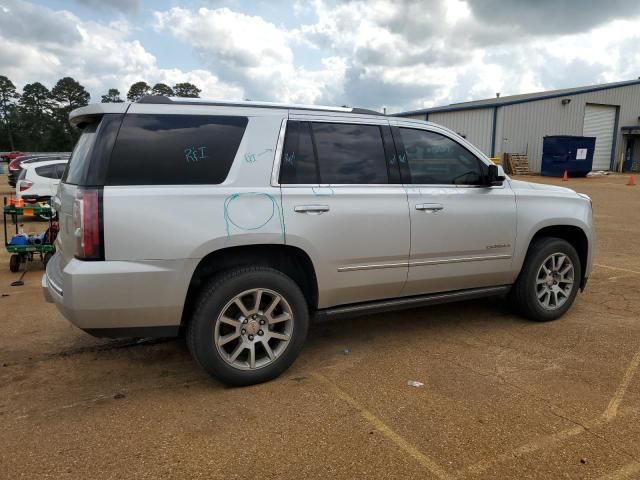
(174, 149)
(81, 158)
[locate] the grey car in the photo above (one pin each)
(236, 223)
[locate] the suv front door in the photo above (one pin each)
(462, 230)
(345, 206)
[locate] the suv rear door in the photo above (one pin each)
(344, 205)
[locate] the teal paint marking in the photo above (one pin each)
(289, 158)
(195, 154)
(253, 157)
(229, 221)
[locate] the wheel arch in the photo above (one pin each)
(292, 261)
(575, 236)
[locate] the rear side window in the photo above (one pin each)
(60, 168)
(174, 149)
(350, 153)
(336, 153)
(298, 160)
(48, 171)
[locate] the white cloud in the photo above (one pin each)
(252, 52)
(399, 54)
(100, 56)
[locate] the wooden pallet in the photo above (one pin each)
(518, 163)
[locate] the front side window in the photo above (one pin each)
(435, 159)
(175, 149)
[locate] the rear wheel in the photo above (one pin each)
(249, 325)
(549, 280)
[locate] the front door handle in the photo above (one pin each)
(313, 209)
(429, 207)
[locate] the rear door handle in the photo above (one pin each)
(429, 207)
(313, 209)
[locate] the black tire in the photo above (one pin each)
(523, 295)
(213, 298)
(14, 263)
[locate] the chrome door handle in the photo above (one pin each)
(429, 207)
(317, 209)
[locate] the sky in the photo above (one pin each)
(399, 55)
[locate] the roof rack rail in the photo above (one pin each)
(163, 100)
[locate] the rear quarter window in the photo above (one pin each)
(47, 171)
(174, 149)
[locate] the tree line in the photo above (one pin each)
(37, 120)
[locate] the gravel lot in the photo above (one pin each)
(502, 397)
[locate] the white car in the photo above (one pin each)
(40, 180)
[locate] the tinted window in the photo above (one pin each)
(435, 159)
(80, 158)
(48, 171)
(60, 168)
(350, 153)
(174, 149)
(298, 164)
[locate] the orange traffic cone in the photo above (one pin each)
(565, 177)
(632, 181)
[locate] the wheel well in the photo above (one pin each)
(291, 261)
(575, 236)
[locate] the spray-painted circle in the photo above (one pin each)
(253, 210)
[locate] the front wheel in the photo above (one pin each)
(249, 325)
(549, 280)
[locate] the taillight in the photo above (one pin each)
(13, 165)
(87, 224)
(25, 185)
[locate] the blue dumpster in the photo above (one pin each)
(566, 152)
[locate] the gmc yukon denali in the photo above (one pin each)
(236, 223)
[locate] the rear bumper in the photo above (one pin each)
(119, 299)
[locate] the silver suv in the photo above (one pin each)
(238, 222)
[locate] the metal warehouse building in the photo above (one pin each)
(518, 123)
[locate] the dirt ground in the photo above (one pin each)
(502, 397)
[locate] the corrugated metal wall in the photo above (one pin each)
(521, 127)
(474, 125)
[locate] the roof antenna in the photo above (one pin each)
(498, 95)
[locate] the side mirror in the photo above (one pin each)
(495, 177)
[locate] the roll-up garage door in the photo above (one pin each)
(599, 122)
